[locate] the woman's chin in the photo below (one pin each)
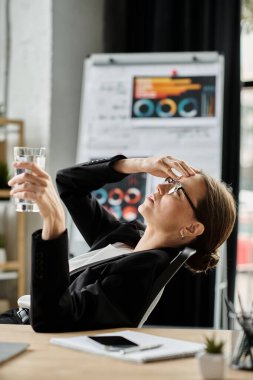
(141, 209)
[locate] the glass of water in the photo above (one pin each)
(25, 154)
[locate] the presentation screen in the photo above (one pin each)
(170, 97)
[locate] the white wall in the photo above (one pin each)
(31, 67)
(77, 32)
(29, 90)
(2, 48)
(49, 42)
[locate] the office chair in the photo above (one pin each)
(163, 280)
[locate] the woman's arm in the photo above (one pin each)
(75, 185)
(157, 166)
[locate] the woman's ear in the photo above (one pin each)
(193, 230)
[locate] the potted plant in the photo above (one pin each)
(212, 359)
(2, 250)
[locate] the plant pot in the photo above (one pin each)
(212, 366)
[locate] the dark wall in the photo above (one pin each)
(175, 26)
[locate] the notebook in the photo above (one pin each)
(169, 348)
(8, 350)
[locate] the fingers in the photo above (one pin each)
(35, 175)
(173, 166)
(28, 195)
(184, 168)
(32, 190)
(30, 166)
(171, 174)
(28, 188)
(31, 184)
(196, 170)
(27, 179)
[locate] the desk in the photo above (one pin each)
(45, 361)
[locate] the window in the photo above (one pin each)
(244, 278)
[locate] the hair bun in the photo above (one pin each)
(214, 258)
(202, 262)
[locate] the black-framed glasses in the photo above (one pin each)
(179, 186)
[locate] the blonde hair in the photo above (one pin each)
(217, 212)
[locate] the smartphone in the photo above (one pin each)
(112, 342)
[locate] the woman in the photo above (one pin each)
(109, 286)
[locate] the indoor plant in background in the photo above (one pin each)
(212, 359)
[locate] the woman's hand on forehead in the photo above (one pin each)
(167, 166)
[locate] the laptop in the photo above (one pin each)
(9, 350)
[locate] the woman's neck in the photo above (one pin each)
(152, 240)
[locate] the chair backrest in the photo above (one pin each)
(163, 280)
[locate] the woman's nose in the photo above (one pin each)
(162, 188)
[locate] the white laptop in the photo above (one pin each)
(8, 350)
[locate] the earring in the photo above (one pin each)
(182, 235)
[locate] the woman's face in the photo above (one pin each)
(171, 212)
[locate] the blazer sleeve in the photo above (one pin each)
(108, 297)
(75, 185)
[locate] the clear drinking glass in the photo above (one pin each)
(25, 154)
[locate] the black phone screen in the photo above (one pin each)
(114, 341)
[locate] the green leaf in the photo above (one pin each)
(213, 346)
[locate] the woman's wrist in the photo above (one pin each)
(129, 165)
(53, 227)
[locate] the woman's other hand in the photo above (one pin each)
(36, 185)
(163, 166)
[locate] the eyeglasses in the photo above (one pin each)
(179, 186)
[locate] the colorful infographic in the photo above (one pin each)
(170, 97)
(122, 199)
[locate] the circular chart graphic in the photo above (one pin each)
(144, 108)
(129, 213)
(133, 195)
(188, 107)
(166, 108)
(115, 197)
(101, 195)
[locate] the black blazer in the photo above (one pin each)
(107, 294)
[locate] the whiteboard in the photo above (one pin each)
(152, 104)
(125, 107)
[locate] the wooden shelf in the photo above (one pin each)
(9, 265)
(14, 269)
(4, 121)
(4, 194)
